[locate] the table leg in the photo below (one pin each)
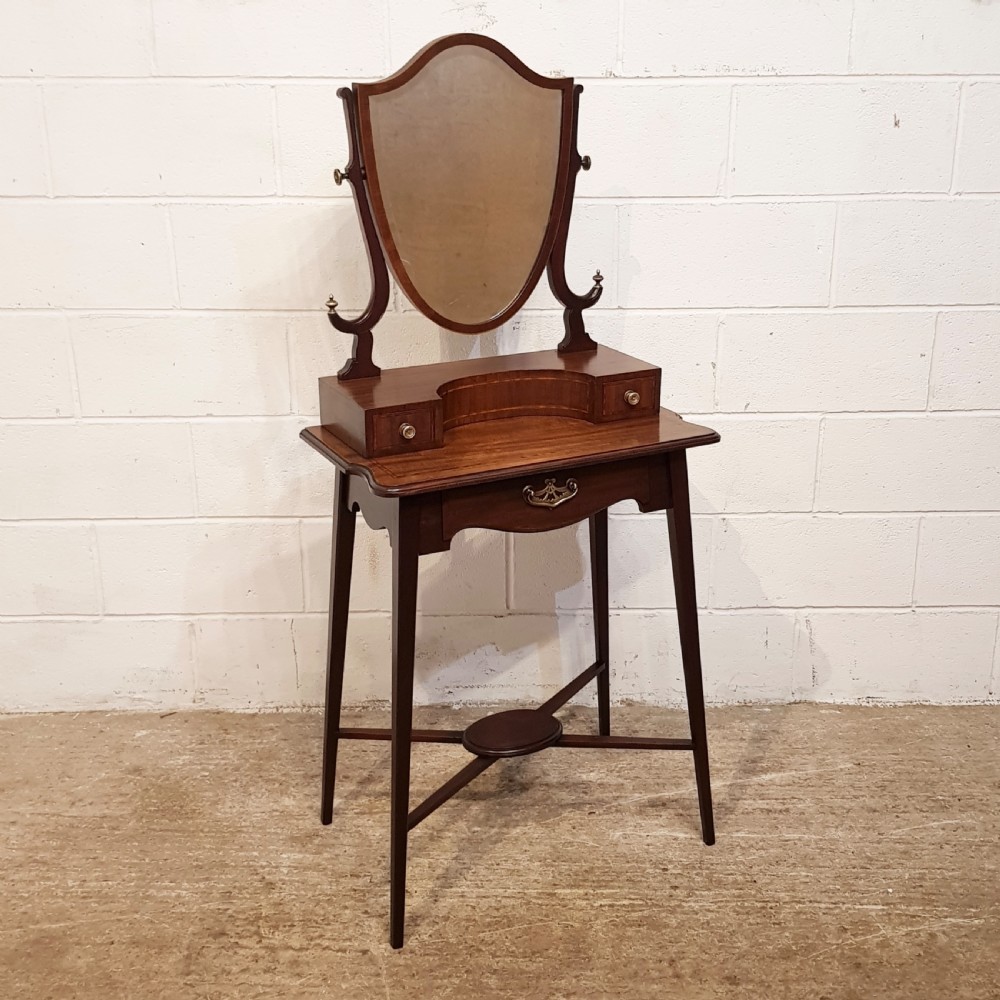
(682, 557)
(341, 559)
(599, 579)
(405, 558)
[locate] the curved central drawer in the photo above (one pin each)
(531, 503)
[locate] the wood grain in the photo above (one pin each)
(501, 505)
(367, 413)
(481, 453)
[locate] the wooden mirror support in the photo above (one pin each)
(463, 167)
(360, 364)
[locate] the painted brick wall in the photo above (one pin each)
(797, 207)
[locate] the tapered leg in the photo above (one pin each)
(341, 558)
(405, 557)
(599, 579)
(682, 557)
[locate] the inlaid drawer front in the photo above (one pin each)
(636, 396)
(555, 498)
(410, 429)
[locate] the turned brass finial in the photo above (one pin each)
(331, 304)
(585, 162)
(598, 277)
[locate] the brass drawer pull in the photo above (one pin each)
(550, 495)
(407, 432)
(632, 397)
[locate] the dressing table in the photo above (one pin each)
(463, 166)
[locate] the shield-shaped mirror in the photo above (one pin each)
(466, 155)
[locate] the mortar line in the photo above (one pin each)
(834, 246)
(717, 361)
(279, 180)
(74, 377)
(759, 416)
(194, 472)
(534, 312)
(710, 587)
(959, 128)
(850, 36)
(732, 515)
(800, 664)
(278, 519)
(930, 366)
(819, 460)
(175, 272)
(916, 563)
(154, 63)
(619, 69)
(727, 181)
(618, 252)
(293, 392)
(715, 199)
(991, 689)
(195, 647)
(646, 611)
(651, 80)
(303, 580)
(98, 568)
(46, 141)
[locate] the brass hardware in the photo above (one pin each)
(331, 304)
(598, 277)
(632, 397)
(585, 162)
(339, 176)
(550, 495)
(407, 432)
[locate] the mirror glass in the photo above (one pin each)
(463, 165)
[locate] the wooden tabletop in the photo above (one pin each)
(498, 449)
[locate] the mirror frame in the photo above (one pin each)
(378, 238)
(366, 91)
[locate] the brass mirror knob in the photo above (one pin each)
(407, 432)
(585, 162)
(339, 176)
(632, 397)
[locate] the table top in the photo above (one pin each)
(498, 449)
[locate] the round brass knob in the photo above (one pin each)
(407, 432)
(632, 397)
(339, 176)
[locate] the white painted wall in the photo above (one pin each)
(797, 207)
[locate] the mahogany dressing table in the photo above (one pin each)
(463, 167)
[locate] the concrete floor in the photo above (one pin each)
(858, 857)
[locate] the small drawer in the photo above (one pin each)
(395, 431)
(530, 502)
(636, 396)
